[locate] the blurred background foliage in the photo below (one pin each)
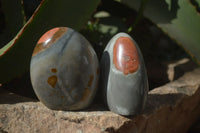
(168, 31)
(15, 56)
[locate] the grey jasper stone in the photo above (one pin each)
(64, 70)
(125, 92)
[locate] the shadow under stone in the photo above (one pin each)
(155, 101)
(21, 86)
(7, 97)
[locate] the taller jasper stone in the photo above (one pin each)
(64, 70)
(123, 76)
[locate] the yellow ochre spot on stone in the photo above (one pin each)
(90, 80)
(53, 70)
(86, 94)
(52, 81)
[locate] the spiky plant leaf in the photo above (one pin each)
(180, 19)
(15, 56)
(13, 19)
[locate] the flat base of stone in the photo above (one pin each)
(172, 108)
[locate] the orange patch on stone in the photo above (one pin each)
(90, 81)
(49, 34)
(53, 70)
(52, 80)
(86, 94)
(125, 55)
(48, 39)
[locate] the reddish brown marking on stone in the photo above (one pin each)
(52, 81)
(90, 81)
(86, 94)
(125, 55)
(48, 39)
(53, 70)
(48, 35)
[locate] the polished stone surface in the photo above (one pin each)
(125, 55)
(123, 76)
(64, 70)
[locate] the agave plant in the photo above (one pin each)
(180, 19)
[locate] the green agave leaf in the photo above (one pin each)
(15, 56)
(14, 19)
(180, 19)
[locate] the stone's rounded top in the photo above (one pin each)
(49, 34)
(125, 55)
(49, 38)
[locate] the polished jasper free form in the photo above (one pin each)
(123, 76)
(64, 70)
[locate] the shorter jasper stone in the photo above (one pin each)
(64, 70)
(123, 77)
